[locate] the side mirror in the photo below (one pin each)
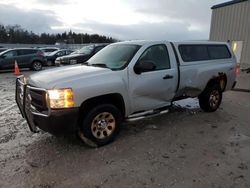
(144, 66)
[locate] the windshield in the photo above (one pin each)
(115, 56)
(85, 50)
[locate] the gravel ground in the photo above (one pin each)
(184, 148)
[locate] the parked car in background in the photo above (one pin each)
(59, 53)
(3, 49)
(80, 56)
(25, 58)
(48, 50)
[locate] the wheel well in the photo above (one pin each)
(115, 99)
(221, 79)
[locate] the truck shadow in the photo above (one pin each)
(50, 145)
(51, 156)
(177, 113)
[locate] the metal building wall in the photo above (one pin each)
(232, 23)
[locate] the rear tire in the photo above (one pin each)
(210, 99)
(100, 125)
(37, 66)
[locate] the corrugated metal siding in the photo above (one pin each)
(233, 23)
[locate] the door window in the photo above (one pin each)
(68, 52)
(10, 54)
(61, 53)
(26, 52)
(158, 54)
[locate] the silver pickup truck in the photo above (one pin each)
(125, 81)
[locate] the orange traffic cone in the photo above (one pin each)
(17, 70)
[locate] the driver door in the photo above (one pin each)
(156, 88)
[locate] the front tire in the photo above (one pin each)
(210, 99)
(37, 66)
(100, 125)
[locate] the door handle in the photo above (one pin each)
(168, 77)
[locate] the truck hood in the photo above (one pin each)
(56, 77)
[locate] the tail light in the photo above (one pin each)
(236, 70)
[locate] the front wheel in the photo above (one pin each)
(100, 125)
(37, 66)
(210, 99)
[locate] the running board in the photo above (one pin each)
(147, 114)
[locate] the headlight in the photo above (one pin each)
(61, 98)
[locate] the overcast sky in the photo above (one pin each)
(121, 19)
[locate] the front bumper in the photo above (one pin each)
(57, 63)
(49, 120)
(59, 121)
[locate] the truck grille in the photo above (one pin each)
(38, 99)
